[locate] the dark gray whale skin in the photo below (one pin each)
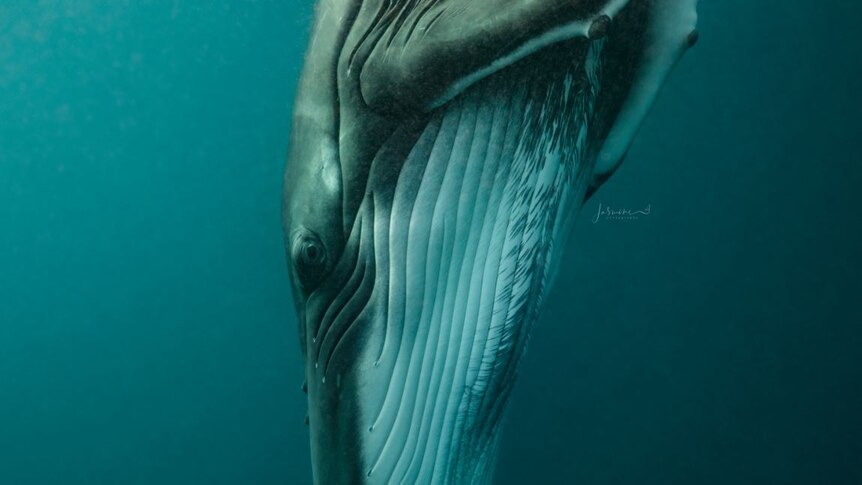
(439, 152)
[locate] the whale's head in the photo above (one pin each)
(439, 152)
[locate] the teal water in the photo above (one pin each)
(146, 333)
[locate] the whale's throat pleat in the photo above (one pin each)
(464, 217)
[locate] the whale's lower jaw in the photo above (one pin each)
(414, 341)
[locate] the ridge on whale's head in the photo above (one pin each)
(439, 152)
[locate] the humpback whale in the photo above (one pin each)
(439, 152)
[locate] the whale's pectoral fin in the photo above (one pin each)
(433, 51)
(648, 39)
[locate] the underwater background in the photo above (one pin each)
(146, 328)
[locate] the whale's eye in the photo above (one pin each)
(311, 252)
(309, 256)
